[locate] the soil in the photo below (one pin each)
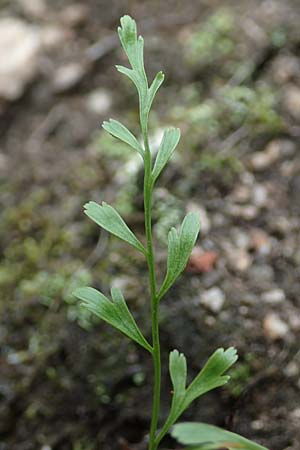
(69, 382)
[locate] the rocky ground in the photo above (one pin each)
(232, 85)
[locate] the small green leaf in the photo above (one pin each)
(179, 249)
(168, 144)
(137, 80)
(115, 312)
(201, 436)
(132, 45)
(119, 131)
(109, 219)
(134, 49)
(156, 83)
(178, 372)
(211, 376)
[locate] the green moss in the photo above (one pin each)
(212, 41)
(255, 107)
(216, 162)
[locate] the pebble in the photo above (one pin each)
(295, 415)
(34, 9)
(291, 100)
(213, 299)
(285, 67)
(274, 327)
(240, 238)
(260, 241)
(257, 424)
(75, 15)
(246, 212)
(292, 369)
(53, 36)
(68, 76)
(273, 296)
(19, 53)
(281, 224)
(262, 160)
(241, 193)
(99, 101)
(202, 261)
(294, 320)
(204, 218)
(239, 259)
(260, 195)
(261, 275)
(277, 148)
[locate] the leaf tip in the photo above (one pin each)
(127, 30)
(79, 292)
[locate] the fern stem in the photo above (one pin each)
(148, 188)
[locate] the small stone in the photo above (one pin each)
(204, 219)
(275, 150)
(261, 275)
(257, 425)
(281, 224)
(260, 196)
(99, 101)
(291, 100)
(274, 327)
(247, 212)
(240, 238)
(210, 321)
(292, 369)
(274, 296)
(68, 76)
(243, 310)
(295, 414)
(35, 9)
(241, 194)
(294, 321)
(287, 148)
(75, 15)
(213, 299)
(262, 160)
(285, 67)
(219, 220)
(202, 261)
(239, 260)
(260, 241)
(19, 51)
(53, 36)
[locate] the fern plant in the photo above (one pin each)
(180, 244)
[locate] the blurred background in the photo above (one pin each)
(232, 85)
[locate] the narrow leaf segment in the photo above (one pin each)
(114, 312)
(179, 249)
(201, 436)
(118, 130)
(109, 219)
(168, 144)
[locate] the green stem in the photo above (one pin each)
(148, 188)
